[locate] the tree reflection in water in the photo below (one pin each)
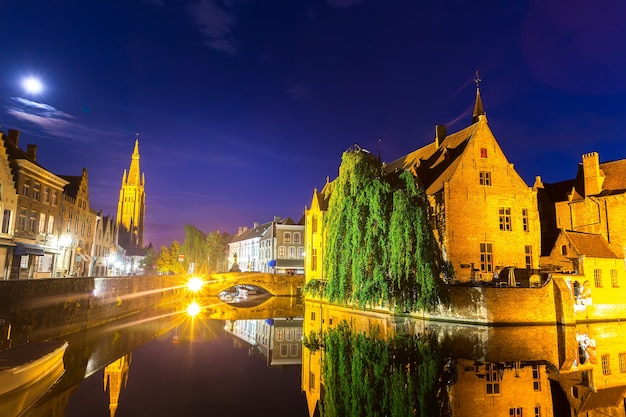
(365, 375)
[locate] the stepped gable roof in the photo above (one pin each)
(433, 164)
(614, 177)
(255, 232)
(71, 189)
(588, 244)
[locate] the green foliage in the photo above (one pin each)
(380, 249)
(195, 249)
(367, 376)
(167, 262)
(148, 264)
(217, 243)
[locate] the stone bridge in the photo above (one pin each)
(274, 284)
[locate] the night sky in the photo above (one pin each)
(243, 107)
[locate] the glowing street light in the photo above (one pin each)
(32, 85)
(195, 283)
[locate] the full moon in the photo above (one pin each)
(32, 85)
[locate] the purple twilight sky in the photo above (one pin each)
(243, 107)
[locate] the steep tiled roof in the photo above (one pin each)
(614, 177)
(591, 245)
(258, 231)
(434, 165)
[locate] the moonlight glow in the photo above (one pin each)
(32, 85)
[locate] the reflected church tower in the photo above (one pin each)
(131, 207)
(116, 376)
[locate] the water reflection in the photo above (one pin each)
(365, 363)
(335, 361)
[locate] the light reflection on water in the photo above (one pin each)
(253, 360)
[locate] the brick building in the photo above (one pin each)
(482, 212)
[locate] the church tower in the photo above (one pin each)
(131, 208)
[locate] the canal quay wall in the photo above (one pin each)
(49, 308)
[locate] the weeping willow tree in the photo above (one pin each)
(380, 249)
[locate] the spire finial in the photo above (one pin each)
(477, 80)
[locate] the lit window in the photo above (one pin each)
(279, 334)
(282, 251)
(36, 190)
(314, 259)
(597, 277)
(485, 178)
(483, 152)
(287, 237)
(42, 223)
(528, 251)
(296, 237)
(6, 221)
(46, 194)
(622, 362)
(525, 225)
(32, 221)
(606, 365)
(486, 257)
(26, 187)
(505, 218)
(50, 224)
(300, 251)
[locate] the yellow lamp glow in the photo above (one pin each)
(195, 284)
(193, 309)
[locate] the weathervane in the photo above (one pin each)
(477, 80)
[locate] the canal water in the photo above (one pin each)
(297, 358)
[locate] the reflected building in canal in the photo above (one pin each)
(478, 370)
(278, 340)
(115, 378)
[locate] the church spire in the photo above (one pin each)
(478, 106)
(133, 172)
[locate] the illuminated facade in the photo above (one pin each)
(593, 202)
(131, 207)
(78, 225)
(482, 212)
(8, 210)
(36, 224)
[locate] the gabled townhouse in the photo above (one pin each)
(244, 248)
(282, 247)
(39, 210)
(483, 214)
(8, 209)
(590, 267)
(314, 232)
(78, 225)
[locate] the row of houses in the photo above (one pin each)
(485, 217)
(48, 227)
(273, 247)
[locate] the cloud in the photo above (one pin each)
(60, 125)
(344, 4)
(299, 91)
(216, 24)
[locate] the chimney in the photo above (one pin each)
(256, 224)
(592, 175)
(276, 218)
(14, 135)
(31, 151)
(440, 134)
